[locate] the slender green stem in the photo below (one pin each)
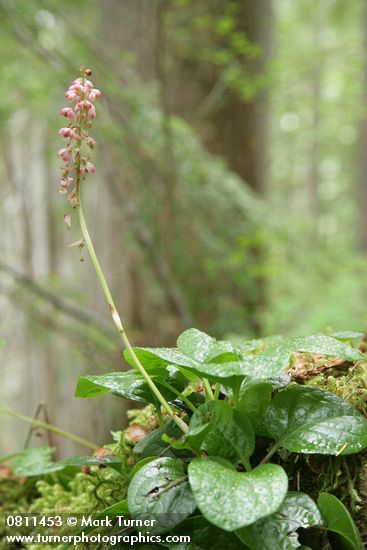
(159, 414)
(217, 390)
(115, 316)
(272, 451)
(208, 389)
(246, 464)
(236, 395)
(179, 394)
(50, 428)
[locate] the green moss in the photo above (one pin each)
(350, 385)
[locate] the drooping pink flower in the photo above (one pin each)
(67, 112)
(64, 154)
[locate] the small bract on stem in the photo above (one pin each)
(77, 164)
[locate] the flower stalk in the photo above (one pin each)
(79, 165)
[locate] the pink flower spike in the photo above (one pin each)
(90, 168)
(67, 219)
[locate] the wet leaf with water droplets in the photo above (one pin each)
(231, 500)
(305, 419)
(297, 510)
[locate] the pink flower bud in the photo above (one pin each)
(96, 92)
(71, 95)
(90, 168)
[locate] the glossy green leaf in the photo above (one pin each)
(322, 345)
(80, 461)
(338, 520)
(232, 436)
(201, 347)
(262, 366)
(231, 500)
(129, 385)
(278, 530)
(160, 491)
(32, 462)
(305, 419)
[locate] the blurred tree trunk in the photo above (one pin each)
(239, 126)
(240, 134)
(234, 128)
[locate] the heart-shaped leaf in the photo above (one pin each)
(305, 419)
(278, 530)
(160, 491)
(231, 500)
(232, 436)
(338, 520)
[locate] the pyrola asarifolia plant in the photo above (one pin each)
(76, 165)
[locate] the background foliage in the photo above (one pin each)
(230, 191)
